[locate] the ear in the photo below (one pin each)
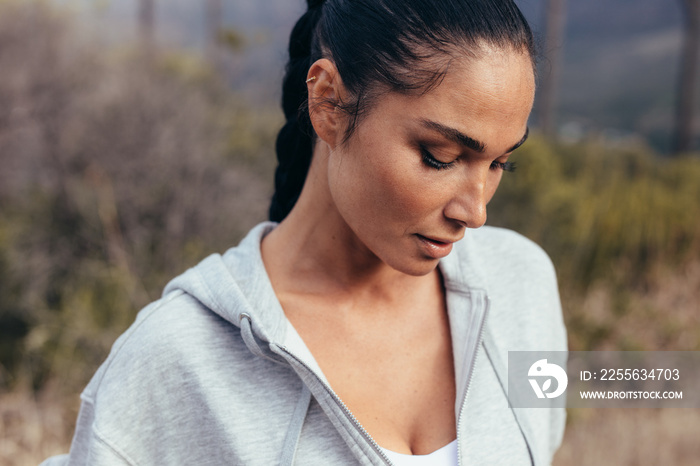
(326, 90)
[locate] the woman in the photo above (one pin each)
(372, 324)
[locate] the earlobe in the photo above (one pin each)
(324, 89)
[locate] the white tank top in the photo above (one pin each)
(445, 456)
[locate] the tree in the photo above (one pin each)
(555, 24)
(146, 18)
(687, 86)
(213, 17)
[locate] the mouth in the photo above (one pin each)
(438, 240)
(435, 248)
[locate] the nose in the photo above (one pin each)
(468, 205)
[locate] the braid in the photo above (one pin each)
(295, 140)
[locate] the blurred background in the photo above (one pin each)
(137, 137)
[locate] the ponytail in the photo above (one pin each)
(295, 140)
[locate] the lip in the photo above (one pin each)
(434, 247)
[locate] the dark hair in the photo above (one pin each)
(378, 46)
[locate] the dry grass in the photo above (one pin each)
(663, 314)
(631, 437)
(34, 428)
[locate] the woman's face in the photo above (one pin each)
(419, 170)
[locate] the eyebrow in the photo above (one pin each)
(467, 141)
(522, 141)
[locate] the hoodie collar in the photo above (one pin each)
(237, 283)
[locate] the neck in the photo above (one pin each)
(315, 246)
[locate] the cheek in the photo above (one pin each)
(401, 190)
(377, 186)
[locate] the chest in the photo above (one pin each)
(396, 375)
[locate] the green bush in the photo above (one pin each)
(602, 213)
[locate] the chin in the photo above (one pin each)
(416, 267)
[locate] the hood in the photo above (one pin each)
(236, 286)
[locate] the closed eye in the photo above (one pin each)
(505, 166)
(432, 162)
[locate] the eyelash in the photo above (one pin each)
(432, 162)
(505, 166)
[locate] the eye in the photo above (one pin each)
(505, 166)
(432, 162)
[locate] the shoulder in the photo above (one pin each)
(179, 364)
(503, 251)
(521, 283)
(506, 263)
(171, 323)
(169, 337)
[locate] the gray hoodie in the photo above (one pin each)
(213, 372)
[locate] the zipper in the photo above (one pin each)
(343, 408)
(469, 379)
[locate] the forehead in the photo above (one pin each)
(499, 83)
(489, 97)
